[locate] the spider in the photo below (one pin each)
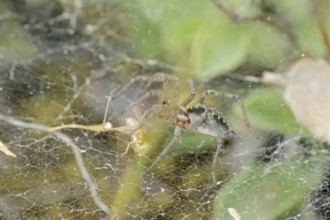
(186, 116)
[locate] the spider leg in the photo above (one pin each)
(197, 121)
(191, 95)
(128, 147)
(158, 77)
(146, 95)
(237, 99)
(132, 122)
(219, 147)
(143, 119)
(130, 144)
(146, 87)
(176, 136)
(137, 112)
(107, 107)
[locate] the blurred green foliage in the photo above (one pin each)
(204, 40)
(195, 35)
(15, 42)
(268, 111)
(272, 191)
(200, 37)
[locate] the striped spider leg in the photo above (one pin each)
(158, 77)
(237, 98)
(136, 126)
(218, 121)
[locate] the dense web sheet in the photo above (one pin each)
(66, 60)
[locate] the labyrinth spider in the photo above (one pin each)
(187, 115)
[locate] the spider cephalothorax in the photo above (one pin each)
(181, 120)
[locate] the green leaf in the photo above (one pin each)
(267, 109)
(15, 41)
(194, 142)
(194, 34)
(217, 51)
(267, 191)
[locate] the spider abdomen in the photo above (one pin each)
(213, 123)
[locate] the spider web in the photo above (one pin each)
(60, 65)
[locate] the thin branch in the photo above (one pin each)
(262, 19)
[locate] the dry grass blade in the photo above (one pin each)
(5, 150)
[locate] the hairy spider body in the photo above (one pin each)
(205, 126)
(185, 117)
